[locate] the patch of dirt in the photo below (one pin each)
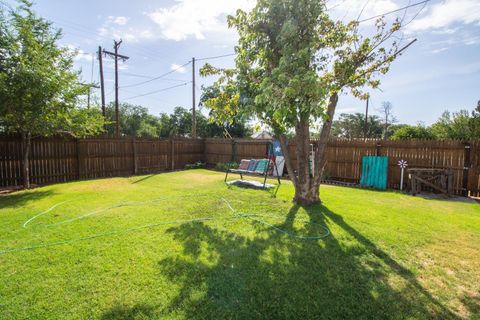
(435, 196)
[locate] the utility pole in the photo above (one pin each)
(366, 120)
(194, 116)
(102, 84)
(90, 86)
(116, 56)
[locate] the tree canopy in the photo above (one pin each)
(293, 61)
(40, 93)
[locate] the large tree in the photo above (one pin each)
(39, 91)
(293, 61)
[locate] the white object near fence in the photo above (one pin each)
(402, 164)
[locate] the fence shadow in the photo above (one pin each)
(225, 275)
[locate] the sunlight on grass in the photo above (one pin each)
(169, 246)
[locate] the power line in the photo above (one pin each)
(393, 11)
(159, 77)
(157, 91)
(129, 74)
(215, 57)
(86, 30)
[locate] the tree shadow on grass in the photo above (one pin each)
(122, 312)
(21, 198)
(272, 275)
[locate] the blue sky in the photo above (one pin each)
(440, 71)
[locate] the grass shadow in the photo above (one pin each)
(122, 312)
(144, 178)
(21, 198)
(225, 275)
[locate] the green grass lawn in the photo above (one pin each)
(169, 246)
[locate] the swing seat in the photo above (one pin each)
(254, 167)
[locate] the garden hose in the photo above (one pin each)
(258, 218)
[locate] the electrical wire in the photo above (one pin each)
(157, 91)
(129, 74)
(158, 77)
(215, 57)
(393, 11)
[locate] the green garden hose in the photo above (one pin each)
(258, 218)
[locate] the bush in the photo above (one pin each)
(196, 165)
(221, 166)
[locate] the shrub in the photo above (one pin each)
(224, 166)
(196, 165)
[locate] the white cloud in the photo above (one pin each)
(447, 13)
(115, 28)
(195, 18)
(120, 20)
(178, 68)
(130, 34)
(80, 55)
(439, 50)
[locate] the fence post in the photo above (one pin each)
(78, 159)
(466, 168)
(205, 151)
(172, 152)
(377, 149)
(134, 152)
(234, 150)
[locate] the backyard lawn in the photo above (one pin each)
(184, 245)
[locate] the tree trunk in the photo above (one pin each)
(26, 142)
(304, 194)
(307, 188)
(321, 147)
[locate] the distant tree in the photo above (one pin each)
(181, 120)
(40, 94)
(135, 121)
(406, 132)
(386, 111)
(457, 125)
(353, 126)
(165, 126)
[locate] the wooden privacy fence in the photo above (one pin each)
(344, 158)
(60, 160)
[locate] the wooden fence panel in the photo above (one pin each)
(218, 150)
(11, 161)
(188, 151)
(101, 158)
(60, 160)
(424, 154)
(474, 172)
(152, 155)
(344, 159)
(250, 149)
